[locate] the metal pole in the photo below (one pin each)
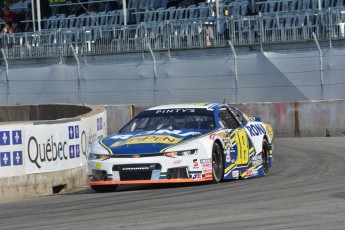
(321, 65)
(7, 78)
(33, 13)
(124, 7)
(39, 15)
(330, 27)
(235, 70)
(319, 5)
(154, 73)
(78, 69)
(261, 23)
(217, 15)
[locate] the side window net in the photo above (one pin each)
(227, 120)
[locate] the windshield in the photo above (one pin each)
(171, 119)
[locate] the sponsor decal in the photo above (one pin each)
(49, 151)
(116, 176)
(208, 176)
(221, 135)
(255, 172)
(204, 161)
(206, 165)
(228, 158)
(138, 168)
(11, 140)
(257, 160)
(70, 132)
(208, 170)
(98, 165)
(73, 134)
(235, 174)
(99, 123)
(251, 172)
(5, 159)
(71, 152)
(167, 111)
(197, 176)
(213, 136)
(151, 139)
(77, 151)
(17, 158)
(256, 129)
(195, 163)
(11, 158)
(17, 137)
(5, 138)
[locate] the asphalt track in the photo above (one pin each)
(304, 190)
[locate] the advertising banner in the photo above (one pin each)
(61, 146)
(52, 147)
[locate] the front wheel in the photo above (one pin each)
(217, 164)
(104, 188)
(265, 157)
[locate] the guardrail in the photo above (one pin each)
(328, 24)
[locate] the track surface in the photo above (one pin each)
(304, 190)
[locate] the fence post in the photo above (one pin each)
(321, 65)
(235, 69)
(154, 73)
(78, 69)
(7, 79)
(330, 27)
(261, 24)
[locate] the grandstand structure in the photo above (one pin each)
(242, 22)
(225, 51)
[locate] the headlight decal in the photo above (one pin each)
(181, 153)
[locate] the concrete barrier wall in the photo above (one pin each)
(46, 156)
(290, 119)
(301, 119)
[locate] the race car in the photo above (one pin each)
(182, 143)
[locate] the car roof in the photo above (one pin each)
(185, 106)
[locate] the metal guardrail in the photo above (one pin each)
(328, 24)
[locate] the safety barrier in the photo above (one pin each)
(43, 148)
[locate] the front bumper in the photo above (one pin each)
(150, 170)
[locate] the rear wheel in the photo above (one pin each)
(104, 188)
(265, 157)
(217, 164)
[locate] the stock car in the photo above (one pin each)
(182, 143)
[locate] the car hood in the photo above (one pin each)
(148, 142)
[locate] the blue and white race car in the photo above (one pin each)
(182, 143)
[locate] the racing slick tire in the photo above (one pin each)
(217, 164)
(104, 188)
(265, 157)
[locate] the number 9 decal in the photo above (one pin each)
(242, 147)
